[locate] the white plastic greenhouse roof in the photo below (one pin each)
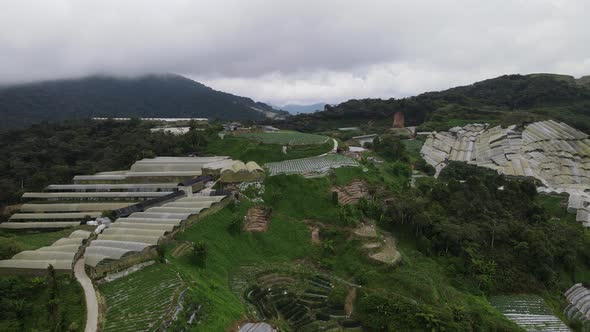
(80, 234)
(39, 224)
(133, 231)
(35, 264)
(55, 216)
(153, 240)
(44, 255)
(61, 248)
(63, 241)
(166, 209)
(202, 205)
(73, 207)
(196, 198)
(139, 225)
(127, 245)
(99, 194)
(111, 186)
(133, 220)
(159, 215)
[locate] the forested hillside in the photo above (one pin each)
(503, 100)
(54, 153)
(101, 96)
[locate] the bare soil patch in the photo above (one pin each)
(257, 219)
(352, 192)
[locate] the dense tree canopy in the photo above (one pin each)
(54, 153)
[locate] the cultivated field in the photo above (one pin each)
(310, 165)
(529, 312)
(142, 300)
(287, 137)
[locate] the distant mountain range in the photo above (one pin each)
(504, 100)
(296, 109)
(167, 95)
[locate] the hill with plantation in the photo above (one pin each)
(507, 99)
(166, 95)
(369, 228)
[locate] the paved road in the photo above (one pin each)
(89, 294)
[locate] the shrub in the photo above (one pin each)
(235, 224)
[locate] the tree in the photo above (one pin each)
(390, 147)
(200, 252)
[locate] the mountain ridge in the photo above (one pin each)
(152, 95)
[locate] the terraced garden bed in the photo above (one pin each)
(141, 301)
(301, 299)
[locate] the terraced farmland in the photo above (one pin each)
(318, 164)
(142, 300)
(529, 312)
(287, 137)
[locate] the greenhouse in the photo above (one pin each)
(133, 231)
(90, 195)
(133, 220)
(55, 216)
(140, 230)
(552, 152)
(152, 240)
(578, 308)
(144, 225)
(159, 215)
(73, 207)
(238, 171)
(61, 255)
(39, 224)
(113, 187)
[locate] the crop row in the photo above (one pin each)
(140, 302)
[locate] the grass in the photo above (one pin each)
(284, 242)
(142, 300)
(294, 199)
(286, 137)
(249, 150)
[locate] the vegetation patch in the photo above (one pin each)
(141, 301)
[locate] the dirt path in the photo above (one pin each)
(349, 303)
(89, 294)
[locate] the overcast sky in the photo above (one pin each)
(296, 51)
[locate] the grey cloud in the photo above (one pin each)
(296, 51)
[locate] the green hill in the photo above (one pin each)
(502, 100)
(102, 96)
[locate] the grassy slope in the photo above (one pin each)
(248, 150)
(422, 278)
(284, 242)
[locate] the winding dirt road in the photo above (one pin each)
(89, 294)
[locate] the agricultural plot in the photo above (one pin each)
(287, 137)
(318, 164)
(301, 300)
(529, 312)
(141, 301)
